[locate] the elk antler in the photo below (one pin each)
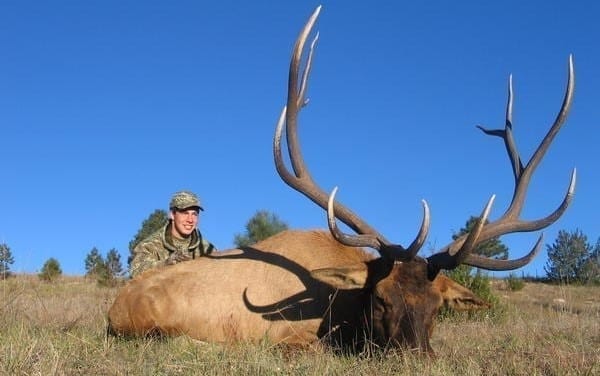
(455, 253)
(301, 179)
(458, 251)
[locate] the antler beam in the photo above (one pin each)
(302, 181)
(510, 221)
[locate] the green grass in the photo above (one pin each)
(58, 329)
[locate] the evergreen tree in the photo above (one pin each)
(590, 270)
(104, 276)
(155, 221)
(50, 271)
(567, 257)
(113, 263)
(93, 262)
(6, 259)
(261, 225)
(493, 247)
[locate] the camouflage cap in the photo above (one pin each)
(183, 200)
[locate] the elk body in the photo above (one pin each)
(298, 287)
(278, 290)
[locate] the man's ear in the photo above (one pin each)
(456, 296)
(344, 277)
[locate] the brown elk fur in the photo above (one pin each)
(296, 287)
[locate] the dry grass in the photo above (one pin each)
(58, 329)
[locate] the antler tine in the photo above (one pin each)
(473, 237)
(360, 240)
(523, 175)
(521, 189)
(500, 265)
(300, 179)
(417, 244)
(447, 260)
(510, 222)
(507, 135)
(297, 97)
(390, 251)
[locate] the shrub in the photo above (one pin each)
(514, 283)
(50, 271)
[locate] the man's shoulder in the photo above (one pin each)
(207, 246)
(155, 238)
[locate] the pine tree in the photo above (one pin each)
(104, 277)
(6, 259)
(93, 262)
(490, 248)
(155, 221)
(261, 225)
(567, 257)
(50, 271)
(113, 263)
(590, 270)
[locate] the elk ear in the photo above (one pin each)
(343, 277)
(456, 296)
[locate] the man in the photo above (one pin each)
(177, 241)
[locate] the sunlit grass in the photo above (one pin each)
(58, 329)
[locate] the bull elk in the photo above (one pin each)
(299, 287)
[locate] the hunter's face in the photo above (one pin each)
(184, 221)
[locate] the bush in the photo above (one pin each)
(478, 282)
(514, 283)
(50, 271)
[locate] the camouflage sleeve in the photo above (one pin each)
(144, 257)
(208, 247)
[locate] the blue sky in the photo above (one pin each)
(108, 107)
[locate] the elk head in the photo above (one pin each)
(403, 288)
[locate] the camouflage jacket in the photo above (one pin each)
(155, 250)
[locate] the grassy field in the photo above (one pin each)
(58, 329)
